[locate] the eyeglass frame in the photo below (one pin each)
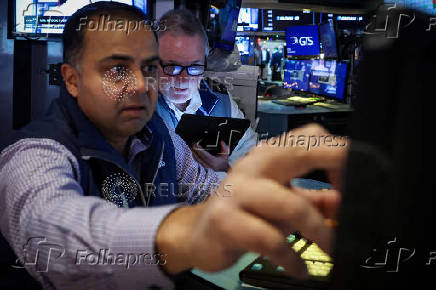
(184, 67)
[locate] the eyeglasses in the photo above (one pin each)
(192, 70)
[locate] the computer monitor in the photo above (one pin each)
(248, 19)
(328, 39)
(243, 43)
(386, 235)
(302, 41)
(47, 18)
(328, 78)
(297, 74)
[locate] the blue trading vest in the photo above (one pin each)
(213, 104)
(103, 170)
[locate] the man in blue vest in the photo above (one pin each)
(101, 195)
(275, 65)
(183, 48)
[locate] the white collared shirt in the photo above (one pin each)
(192, 108)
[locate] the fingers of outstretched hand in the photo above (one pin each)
(283, 208)
(238, 232)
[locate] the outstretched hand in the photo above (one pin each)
(254, 210)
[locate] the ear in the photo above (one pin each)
(71, 78)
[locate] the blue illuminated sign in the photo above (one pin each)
(302, 40)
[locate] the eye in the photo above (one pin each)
(149, 69)
(118, 71)
(196, 70)
(118, 68)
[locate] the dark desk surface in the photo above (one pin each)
(267, 106)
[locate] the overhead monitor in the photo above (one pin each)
(302, 41)
(328, 78)
(278, 20)
(348, 21)
(353, 4)
(426, 6)
(47, 18)
(297, 74)
(248, 19)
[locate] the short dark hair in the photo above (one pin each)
(182, 21)
(73, 35)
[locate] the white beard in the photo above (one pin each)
(170, 95)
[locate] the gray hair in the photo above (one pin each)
(184, 22)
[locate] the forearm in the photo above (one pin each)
(45, 215)
(126, 234)
(174, 235)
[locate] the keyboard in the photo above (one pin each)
(262, 273)
(319, 264)
(297, 101)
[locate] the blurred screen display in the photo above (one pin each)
(48, 17)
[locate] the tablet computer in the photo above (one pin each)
(210, 131)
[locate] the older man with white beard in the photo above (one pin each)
(183, 48)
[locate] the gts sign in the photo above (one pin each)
(302, 41)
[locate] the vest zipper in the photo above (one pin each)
(213, 107)
(155, 172)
